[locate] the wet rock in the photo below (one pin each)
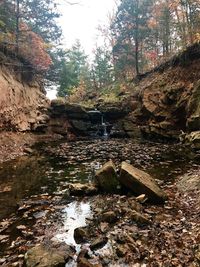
(107, 178)
(82, 189)
(51, 255)
(140, 182)
(109, 217)
(80, 235)
(99, 243)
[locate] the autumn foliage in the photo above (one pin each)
(17, 34)
(33, 48)
(148, 32)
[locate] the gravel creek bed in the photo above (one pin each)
(35, 205)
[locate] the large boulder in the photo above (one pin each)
(107, 179)
(51, 255)
(140, 182)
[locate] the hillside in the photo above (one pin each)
(165, 102)
(23, 103)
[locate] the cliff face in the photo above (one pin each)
(168, 97)
(23, 105)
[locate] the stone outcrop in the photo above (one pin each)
(82, 121)
(169, 97)
(114, 111)
(139, 182)
(126, 127)
(23, 105)
(67, 119)
(107, 179)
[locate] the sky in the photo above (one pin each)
(80, 21)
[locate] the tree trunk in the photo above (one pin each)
(17, 26)
(137, 41)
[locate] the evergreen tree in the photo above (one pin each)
(130, 28)
(102, 68)
(74, 69)
(41, 16)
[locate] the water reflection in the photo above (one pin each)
(74, 216)
(16, 179)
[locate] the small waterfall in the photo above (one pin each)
(104, 126)
(98, 118)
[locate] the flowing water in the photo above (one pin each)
(40, 180)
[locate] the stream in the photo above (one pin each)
(34, 201)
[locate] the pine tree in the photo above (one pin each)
(130, 28)
(74, 69)
(102, 68)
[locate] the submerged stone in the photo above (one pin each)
(140, 182)
(107, 179)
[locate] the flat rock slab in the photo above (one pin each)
(48, 256)
(140, 182)
(107, 179)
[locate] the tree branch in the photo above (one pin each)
(71, 3)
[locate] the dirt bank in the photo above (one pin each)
(169, 96)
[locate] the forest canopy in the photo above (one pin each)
(29, 29)
(141, 35)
